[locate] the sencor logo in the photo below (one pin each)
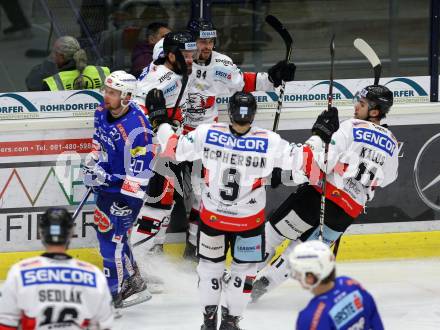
(230, 142)
(375, 139)
(58, 275)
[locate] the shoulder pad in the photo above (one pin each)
(31, 262)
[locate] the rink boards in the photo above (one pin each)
(406, 245)
(39, 167)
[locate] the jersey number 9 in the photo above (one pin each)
(230, 179)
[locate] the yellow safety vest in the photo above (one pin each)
(93, 77)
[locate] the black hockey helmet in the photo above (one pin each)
(56, 226)
(178, 40)
(379, 97)
(202, 29)
(242, 108)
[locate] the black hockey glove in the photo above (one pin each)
(282, 71)
(326, 124)
(275, 179)
(157, 111)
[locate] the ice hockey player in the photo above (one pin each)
(55, 290)
(338, 302)
(118, 171)
(166, 74)
(214, 74)
(236, 157)
(164, 77)
(362, 156)
(157, 53)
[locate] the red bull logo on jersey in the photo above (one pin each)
(58, 275)
(102, 222)
(376, 139)
(228, 141)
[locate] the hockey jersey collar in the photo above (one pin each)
(235, 133)
(56, 256)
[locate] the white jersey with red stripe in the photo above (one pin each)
(160, 77)
(219, 77)
(234, 196)
(361, 157)
(55, 291)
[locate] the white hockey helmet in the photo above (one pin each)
(121, 81)
(158, 50)
(311, 257)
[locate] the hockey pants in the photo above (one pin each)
(114, 244)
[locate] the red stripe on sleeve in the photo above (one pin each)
(250, 82)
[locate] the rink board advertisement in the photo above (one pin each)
(37, 105)
(38, 170)
(312, 93)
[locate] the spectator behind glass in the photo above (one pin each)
(68, 71)
(142, 53)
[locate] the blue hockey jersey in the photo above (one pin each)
(124, 147)
(346, 306)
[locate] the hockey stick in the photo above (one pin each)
(374, 60)
(142, 241)
(287, 38)
(329, 106)
(181, 60)
(371, 56)
(81, 204)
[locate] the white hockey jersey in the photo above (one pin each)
(219, 77)
(55, 291)
(160, 77)
(361, 157)
(234, 196)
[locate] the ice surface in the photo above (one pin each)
(407, 293)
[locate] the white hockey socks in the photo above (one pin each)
(239, 287)
(273, 240)
(210, 284)
(278, 271)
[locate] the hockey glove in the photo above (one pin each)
(122, 219)
(157, 111)
(95, 177)
(326, 124)
(275, 179)
(282, 71)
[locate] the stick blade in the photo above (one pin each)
(274, 22)
(367, 51)
(372, 57)
(280, 28)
